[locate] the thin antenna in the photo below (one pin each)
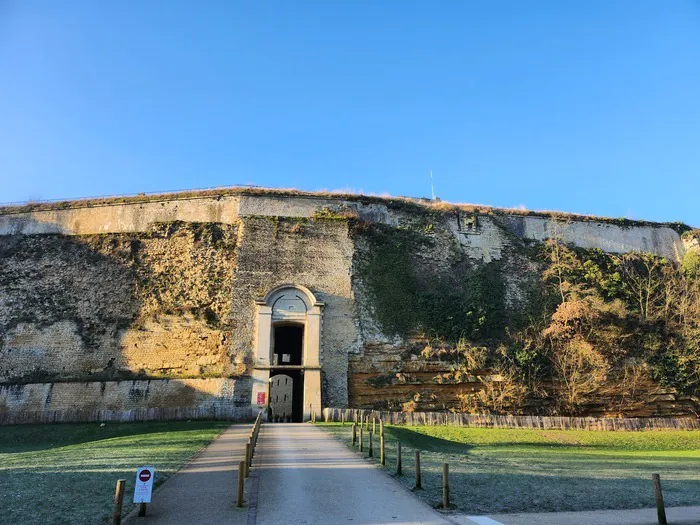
(432, 186)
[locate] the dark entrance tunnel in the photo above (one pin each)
(287, 384)
(289, 342)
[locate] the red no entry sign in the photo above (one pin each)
(144, 485)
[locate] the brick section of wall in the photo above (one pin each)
(315, 253)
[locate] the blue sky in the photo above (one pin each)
(588, 106)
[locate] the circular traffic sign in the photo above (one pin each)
(144, 475)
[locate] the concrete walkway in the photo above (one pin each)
(307, 477)
(674, 516)
(204, 490)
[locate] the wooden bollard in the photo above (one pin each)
(118, 502)
(381, 427)
(399, 466)
(418, 480)
(382, 456)
(241, 484)
(445, 486)
(660, 509)
(371, 454)
(247, 458)
(374, 425)
(361, 440)
(354, 434)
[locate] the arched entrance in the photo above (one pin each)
(287, 354)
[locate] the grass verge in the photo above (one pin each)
(509, 470)
(65, 473)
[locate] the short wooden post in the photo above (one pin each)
(418, 480)
(241, 484)
(660, 509)
(382, 457)
(370, 445)
(445, 486)
(374, 425)
(118, 502)
(361, 440)
(247, 458)
(381, 427)
(142, 510)
(399, 466)
(354, 434)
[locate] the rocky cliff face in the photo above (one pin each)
(117, 305)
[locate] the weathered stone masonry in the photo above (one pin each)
(151, 302)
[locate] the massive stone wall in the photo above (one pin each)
(96, 295)
(117, 305)
(121, 395)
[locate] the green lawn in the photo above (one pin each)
(504, 470)
(65, 474)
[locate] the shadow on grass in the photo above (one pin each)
(422, 442)
(31, 438)
(489, 493)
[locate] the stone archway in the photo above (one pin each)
(288, 309)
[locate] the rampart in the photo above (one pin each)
(150, 302)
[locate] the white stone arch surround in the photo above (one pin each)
(288, 304)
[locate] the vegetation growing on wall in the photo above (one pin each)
(450, 300)
(598, 327)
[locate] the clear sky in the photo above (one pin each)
(584, 106)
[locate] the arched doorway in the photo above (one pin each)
(288, 343)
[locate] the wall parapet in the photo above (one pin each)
(455, 419)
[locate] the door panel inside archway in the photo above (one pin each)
(286, 395)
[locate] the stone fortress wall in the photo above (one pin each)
(149, 302)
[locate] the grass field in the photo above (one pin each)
(506, 470)
(65, 474)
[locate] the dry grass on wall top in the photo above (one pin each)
(420, 205)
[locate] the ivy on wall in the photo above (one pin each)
(411, 292)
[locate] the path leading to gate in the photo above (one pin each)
(307, 477)
(203, 491)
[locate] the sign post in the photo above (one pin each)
(144, 487)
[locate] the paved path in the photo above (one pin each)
(307, 477)
(204, 490)
(674, 515)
